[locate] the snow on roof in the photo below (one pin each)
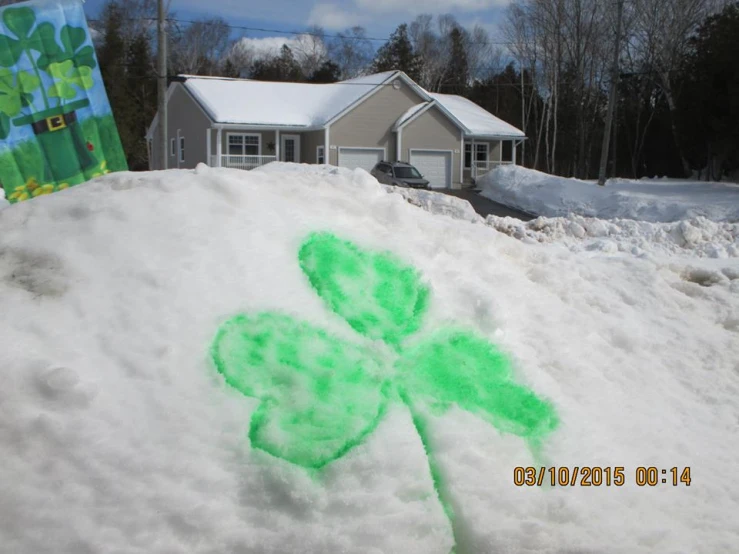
(409, 114)
(279, 104)
(479, 121)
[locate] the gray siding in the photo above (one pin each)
(370, 123)
(185, 116)
(309, 142)
(432, 130)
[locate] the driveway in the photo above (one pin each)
(485, 206)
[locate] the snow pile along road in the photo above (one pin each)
(696, 237)
(119, 434)
(656, 200)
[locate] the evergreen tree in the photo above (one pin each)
(280, 68)
(111, 55)
(710, 98)
(398, 53)
(459, 73)
(141, 94)
(328, 72)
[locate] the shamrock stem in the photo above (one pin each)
(421, 426)
(38, 75)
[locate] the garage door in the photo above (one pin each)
(366, 158)
(436, 167)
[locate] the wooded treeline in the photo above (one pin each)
(548, 73)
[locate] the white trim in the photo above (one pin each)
(277, 145)
(267, 127)
(208, 146)
(429, 105)
(340, 148)
(451, 160)
(296, 138)
(321, 147)
(399, 145)
(327, 136)
(219, 147)
(259, 147)
(400, 124)
(473, 158)
(461, 158)
(394, 75)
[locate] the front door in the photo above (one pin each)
(290, 148)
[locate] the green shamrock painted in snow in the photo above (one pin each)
(321, 396)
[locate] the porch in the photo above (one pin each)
(249, 148)
(482, 155)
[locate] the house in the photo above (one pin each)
(240, 123)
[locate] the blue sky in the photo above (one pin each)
(379, 17)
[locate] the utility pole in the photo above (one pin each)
(611, 98)
(162, 82)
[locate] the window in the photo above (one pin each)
(182, 149)
(172, 144)
(408, 172)
(244, 145)
(320, 157)
(481, 151)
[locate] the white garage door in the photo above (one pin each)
(436, 167)
(366, 158)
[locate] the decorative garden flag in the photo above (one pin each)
(56, 126)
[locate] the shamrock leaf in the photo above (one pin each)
(66, 77)
(73, 49)
(19, 21)
(15, 90)
(10, 51)
(458, 367)
(376, 294)
(320, 396)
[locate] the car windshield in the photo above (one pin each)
(407, 173)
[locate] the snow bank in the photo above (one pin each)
(659, 200)
(696, 237)
(119, 435)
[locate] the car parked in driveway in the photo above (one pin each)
(399, 174)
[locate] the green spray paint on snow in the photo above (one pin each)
(321, 395)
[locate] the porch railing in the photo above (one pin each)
(241, 162)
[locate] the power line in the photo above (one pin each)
(303, 33)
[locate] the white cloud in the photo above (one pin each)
(266, 47)
(332, 16)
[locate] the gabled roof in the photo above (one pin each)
(244, 101)
(310, 106)
(419, 109)
(478, 121)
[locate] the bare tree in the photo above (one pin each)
(660, 36)
(352, 51)
(310, 50)
(201, 46)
